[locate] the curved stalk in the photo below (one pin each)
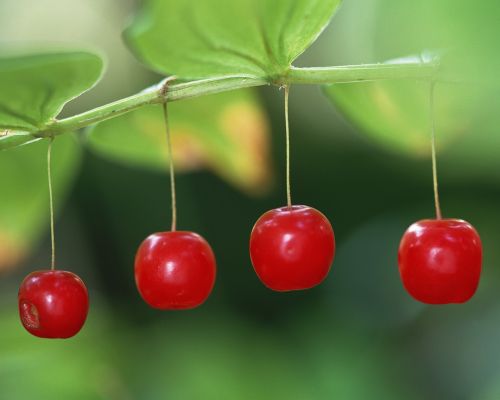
(425, 70)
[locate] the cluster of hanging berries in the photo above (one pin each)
(291, 248)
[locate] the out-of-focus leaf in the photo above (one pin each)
(340, 356)
(227, 133)
(35, 87)
(456, 348)
(218, 358)
(24, 202)
(80, 368)
(466, 36)
(491, 391)
(206, 38)
(396, 113)
(377, 300)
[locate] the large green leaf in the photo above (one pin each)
(24, 211)
(394, 113)
(206, 38)
(35, 87)
(226, 132)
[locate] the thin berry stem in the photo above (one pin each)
(171, 160)
(433, 147)
(51, 204)
(287, 124)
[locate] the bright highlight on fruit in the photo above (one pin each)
(440, 261)
(292, 248)
(53, 304)
(175, 270)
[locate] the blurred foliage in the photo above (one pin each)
(227, 133)
(396, 113)
(194, 357)
(357, 336)
(77, 369)
(24, 194)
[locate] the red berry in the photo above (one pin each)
(292, 248)
(53, 304)
(175, 270)
(440, 261)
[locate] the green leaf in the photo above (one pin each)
(207, 38)
(396, 113)
(24, 211)
(35, 88)
(467, 36)
(227, 133)
(392, 113)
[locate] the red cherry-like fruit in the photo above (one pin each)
(175, 270)
(440, 261)
(292, 248)
(53, 304)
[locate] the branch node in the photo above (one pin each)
(164, 85)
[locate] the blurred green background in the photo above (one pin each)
(358, 335)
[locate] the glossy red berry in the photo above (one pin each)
(440, 261)
(292, 248)
(175, 270)
(53, 304)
